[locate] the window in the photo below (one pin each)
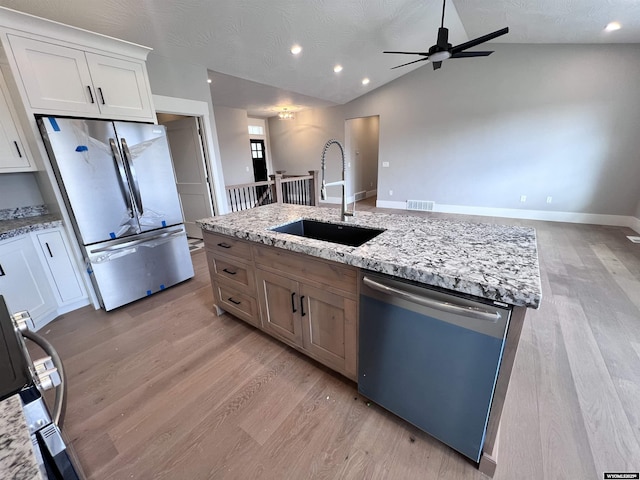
(256, 130)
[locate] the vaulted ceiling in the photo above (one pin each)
(251, 39)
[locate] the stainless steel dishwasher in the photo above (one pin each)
(431, 358)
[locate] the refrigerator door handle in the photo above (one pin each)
(132, 175)
(119, 246)
(122, 176)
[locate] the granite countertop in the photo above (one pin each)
(19, 226)
(496, 262)
(17, 460)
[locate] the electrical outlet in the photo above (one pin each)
(523, 198)
(371, 184)
(549, 199)
(391, 193)
(247, 168)
(385, 164)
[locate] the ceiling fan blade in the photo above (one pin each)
(479, 40)
(437, 65)
(470, 54)
(410, 53)
(415, 61)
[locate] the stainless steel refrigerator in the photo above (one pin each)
(119, 186)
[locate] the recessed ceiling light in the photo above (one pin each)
(613, 26)
(365, 81)
(296, 49)
(337, 68)
(208, 80)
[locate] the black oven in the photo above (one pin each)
(28, 378)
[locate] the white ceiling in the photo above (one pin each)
(250, 39)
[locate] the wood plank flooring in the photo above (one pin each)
(165, 389)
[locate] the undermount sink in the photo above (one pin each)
(330, 232)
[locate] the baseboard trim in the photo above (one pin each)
(569, 217)
(371, 193)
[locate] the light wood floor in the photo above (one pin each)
(164, 389)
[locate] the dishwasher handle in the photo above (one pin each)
(474, 312)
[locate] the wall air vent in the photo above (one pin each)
(421, 205)
(361, 195)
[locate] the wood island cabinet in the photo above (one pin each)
(232, 276)
(308, 303)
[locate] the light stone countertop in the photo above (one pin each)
(17, 460)
(495, 262)
(19, 226)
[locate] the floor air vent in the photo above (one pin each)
(634, 239)
(422, 205)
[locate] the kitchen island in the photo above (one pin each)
(306, 292)
(17, 459)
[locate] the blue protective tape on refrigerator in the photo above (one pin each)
(162, 287)
(112, 234)
(164, 224)
(89, 271)
(82, 148)
(54, 124)
(149, 292)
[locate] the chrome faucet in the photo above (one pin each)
(323, 191)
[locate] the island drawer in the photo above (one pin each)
(237, 303)
(226, 245)
(232, 272)
(322, 272)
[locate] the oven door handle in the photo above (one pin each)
(478, 313)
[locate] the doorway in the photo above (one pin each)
(258, 155)
(362, 138)
(184, 134)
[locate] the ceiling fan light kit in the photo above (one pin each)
(443, 50)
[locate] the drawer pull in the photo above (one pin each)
(302, 306)
(2, 274)
(233, 301)
(228, 271)
(49, 249)
(224, 245)
(18, 148)
(293, 302)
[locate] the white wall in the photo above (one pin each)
(19, 190)
(535, 120)
(235, 150)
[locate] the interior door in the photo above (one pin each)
(146, 155)
(191, 177)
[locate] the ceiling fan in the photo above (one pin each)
(443, 50)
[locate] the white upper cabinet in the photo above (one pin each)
(14, 152)
(69, 81)
(121, 89)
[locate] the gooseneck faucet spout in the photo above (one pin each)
(323, 191)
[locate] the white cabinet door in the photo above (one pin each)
(66, 284)
(120, 86)
(22, 280)
(14, 155)
(56, 78)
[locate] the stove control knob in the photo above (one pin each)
(23, 321)
(46, 373)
